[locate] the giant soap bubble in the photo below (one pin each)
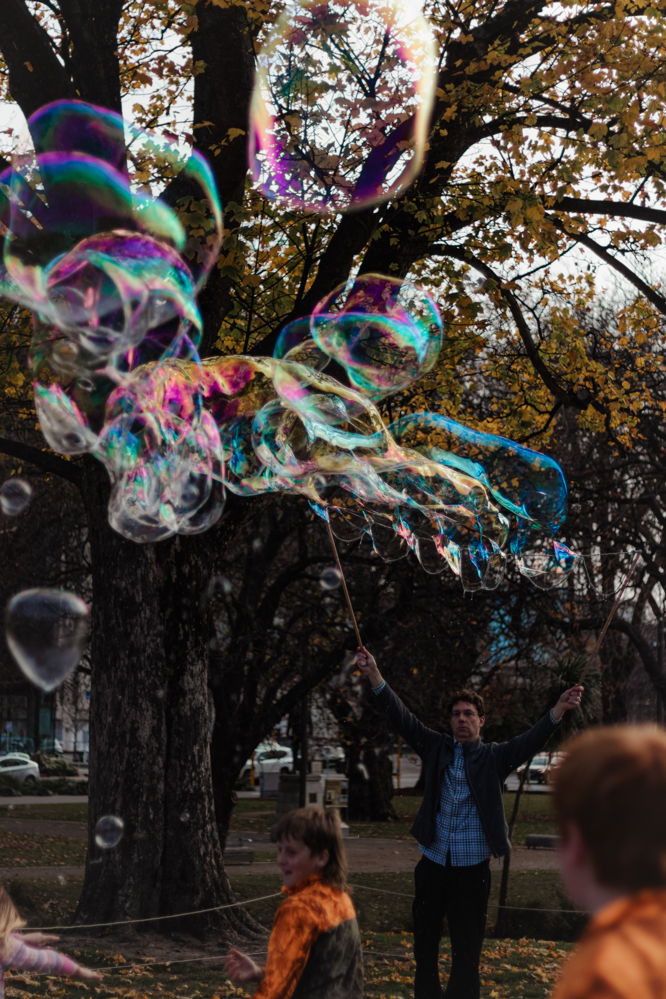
(341, 104)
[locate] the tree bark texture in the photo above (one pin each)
(150, 759)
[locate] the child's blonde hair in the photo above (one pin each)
(320, 830)
(9, 917)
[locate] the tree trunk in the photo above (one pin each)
(149, 758)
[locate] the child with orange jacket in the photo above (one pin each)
(314, 951)
(610, 802)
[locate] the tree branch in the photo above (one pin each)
(45, 460)
(659, 301)
(578, 398)
(35, 74)
(619, 209)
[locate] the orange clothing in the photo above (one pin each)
(622, 953)
(314, 951)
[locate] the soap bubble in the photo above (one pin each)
(15, 495)
(46, 632)
(341, 104)
(386, 333)
(330, 578)
(109, 831)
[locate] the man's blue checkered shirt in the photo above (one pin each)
(458, 831)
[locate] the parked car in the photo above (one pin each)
(20, 767)
(332, 757)
(555, 760)
(268, 757)
(541, 767)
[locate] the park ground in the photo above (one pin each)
(42, 848)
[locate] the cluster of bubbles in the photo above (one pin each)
(111, 273)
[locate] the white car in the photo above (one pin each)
(542, 767)
(332, 757)
(20, 767)
(268, 757)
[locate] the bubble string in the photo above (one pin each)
(345, 590)
(616, 603)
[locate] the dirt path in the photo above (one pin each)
(371, 855)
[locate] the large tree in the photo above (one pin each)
(545, 139)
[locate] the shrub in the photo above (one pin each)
(54, 766)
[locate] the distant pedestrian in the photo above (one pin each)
(610, 802)
(459, 826)
(314, 951)
(26, 951)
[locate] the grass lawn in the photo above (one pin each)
(74, 811)
(516, 969)
(511, 968)
(258, 815)
(21, 849)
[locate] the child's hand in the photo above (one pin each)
(89, 973)
(241, 968)
(37, 939)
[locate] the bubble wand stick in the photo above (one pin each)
(616, 604)
(352, 615)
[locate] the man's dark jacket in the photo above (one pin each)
(487, 765)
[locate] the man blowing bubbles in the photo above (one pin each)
(459, 826)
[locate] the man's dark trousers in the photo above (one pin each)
(460, 894)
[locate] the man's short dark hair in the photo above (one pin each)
(470, 696)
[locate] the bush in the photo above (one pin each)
(54, 766)
(9, 786)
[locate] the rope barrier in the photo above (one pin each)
(155, 919)
(264, 898)
(197, 958)
(492, 905)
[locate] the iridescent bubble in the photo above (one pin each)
(219, 586)
(98, 260)
(341, 104)
(385, 333)
(548, 567)
(46, 632)
(15, 496)
(109, 831)
(330, 578)
(295, 343)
